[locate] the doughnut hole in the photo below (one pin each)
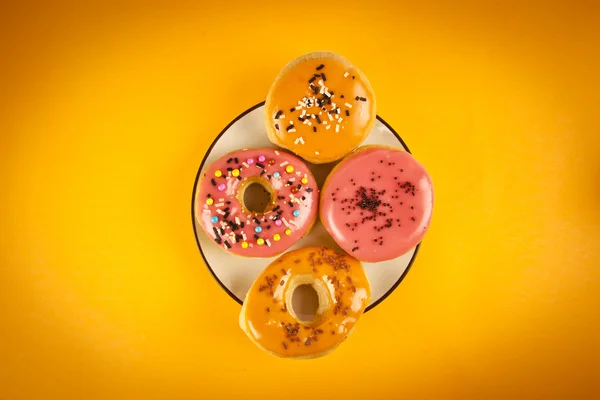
(256, 196)
(307, 299)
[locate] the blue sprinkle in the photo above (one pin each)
(214, 219)
(276, 175)
(296, 213)
(258, 229)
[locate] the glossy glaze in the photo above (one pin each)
(377, 203)
(268, 320)
(236, 229)
(317, 134)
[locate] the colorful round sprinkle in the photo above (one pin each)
(289, 169)
(244, 245)
(218, 173)
(235, 172)
(276, 237)
(214, 219)
(288, 232)
(304, 180)
(278, 222)
(209, 201)
(260, 241)
(276, 174)
(296, 213)
(250, 161)
(261, 158)
(258, 229)
(222, 187)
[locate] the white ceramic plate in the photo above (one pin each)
(236, 274)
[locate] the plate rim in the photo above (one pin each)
(197, 179)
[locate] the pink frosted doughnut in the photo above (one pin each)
(289, 215)
(377, 203)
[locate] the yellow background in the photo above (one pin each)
(107, 109)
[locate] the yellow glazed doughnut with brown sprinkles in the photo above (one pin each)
(270, 321)
(320, 107)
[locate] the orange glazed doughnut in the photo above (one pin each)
(320, 107)
(289, 215)
(268, 317)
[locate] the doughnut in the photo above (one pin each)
(269, 320)
(289, 213)
(320, 107)
(377, 203)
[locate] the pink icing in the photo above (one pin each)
(377, 204)
(289, 190)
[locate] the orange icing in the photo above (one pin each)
(270, 323)
(313, 140)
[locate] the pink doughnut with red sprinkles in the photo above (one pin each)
(377, 203)
(289, 215)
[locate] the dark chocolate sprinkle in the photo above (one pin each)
(320, 67)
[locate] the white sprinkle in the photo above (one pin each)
(282, 116)
(316, 152)
(219, 204)
(327, 93)
(296, 141)
(283, 164)
(248, 221)
(348, 105)
(293, 223)
(299, 107)
(324, 122)
(232, 238)
(237, 220)
(207, 211)
(338, 110)
(346, 74)
(330, 117)
(244, 235)
(309, 124)
(291, 122)
(276, 152)
(292, 179)
(333, 105)
(220, 212)
(303, 113)
(221, 199)
(292, 130)
(320, 82)
(313, 116)
(245, 165)
(320, 112)
(268, 243)
(327, 127)
(337, 128)
(340, 120)
(285, 222)
(298, 173)
(306, 121)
